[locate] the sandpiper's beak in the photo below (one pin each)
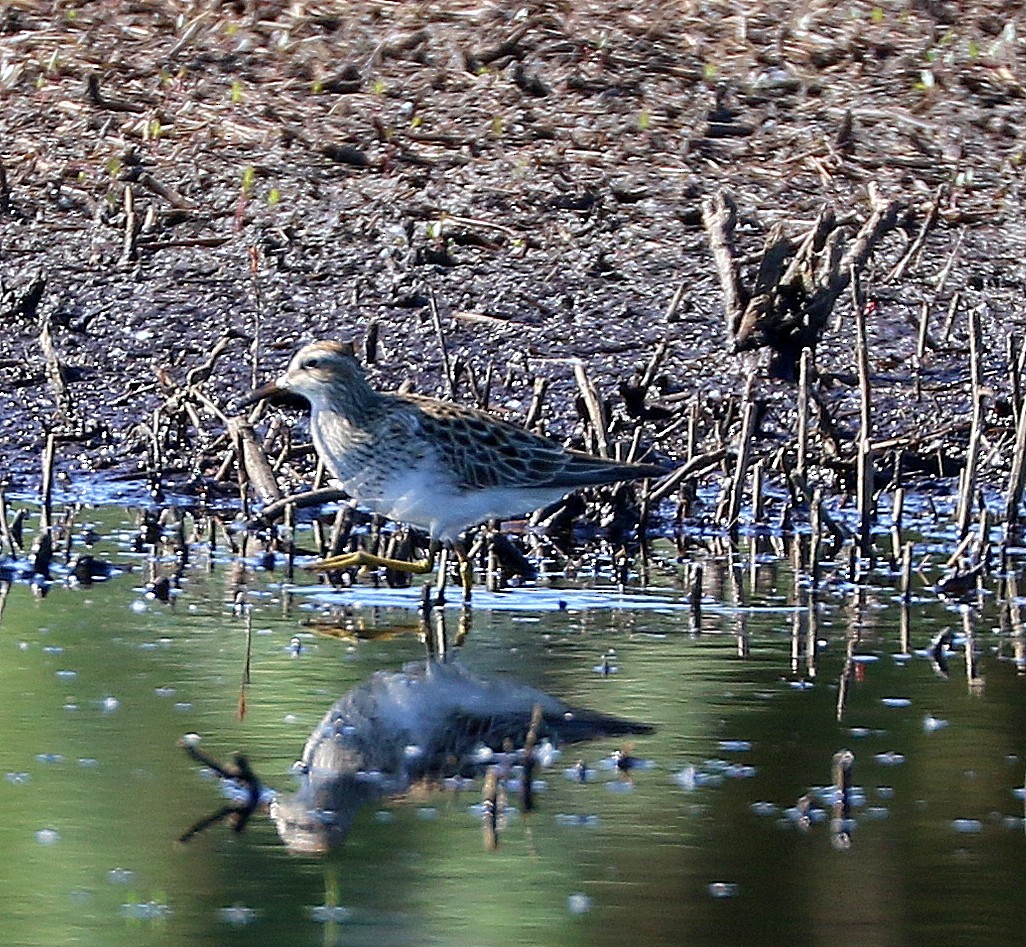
(276, 392)
(268, 391)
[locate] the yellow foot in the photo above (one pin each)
(360, 559)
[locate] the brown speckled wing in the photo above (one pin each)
(485, 451)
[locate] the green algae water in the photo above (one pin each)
(721, 834)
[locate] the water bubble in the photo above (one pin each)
(895, 701)
(735, 746)
(967, 826)
(329, 913)
(145, 911)
(48, 836)
(164, 691)
(620, 785)
(931, 724)
(763, 808)
(724, 889)
(18, 779)
(238, 915)
(109, 705)
(578, 904)
(890, 758)
(66, 675)
(120, 876)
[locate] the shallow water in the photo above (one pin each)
(700, 846)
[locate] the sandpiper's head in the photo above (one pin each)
(318, 372)
(320, 368)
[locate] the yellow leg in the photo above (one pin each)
(466, 572)
(360, 559)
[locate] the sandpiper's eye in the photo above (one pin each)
(312, 362)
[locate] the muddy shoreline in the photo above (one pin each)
(264, 174)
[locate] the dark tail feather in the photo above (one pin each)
(585, 471)
(578, 725)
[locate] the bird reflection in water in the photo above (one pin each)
(431, 721)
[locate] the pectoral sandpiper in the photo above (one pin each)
(428, 463)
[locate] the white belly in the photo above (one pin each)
(435, 505)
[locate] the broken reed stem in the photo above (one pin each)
(594, 407)
(290, 549)
(924, 323)
(6, 536)
(719, 216)
(128, 248)
(965, 501)
(258, 315)
(864, 464)
(691, 440)
(1017, 475)
(534, 414)
(300, 501)
(1011, 363)
(696, 587)
(46, 490)
(744, 453)
(949, 322)
(758, 504)
(897, 511)
(801, 464)
(915, 248)
(253, 465)
(983, 533)
(816, 542)
(906, 572)
(440, 332)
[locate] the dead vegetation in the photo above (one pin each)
(521, 206)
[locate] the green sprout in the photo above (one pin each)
(248, 178)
